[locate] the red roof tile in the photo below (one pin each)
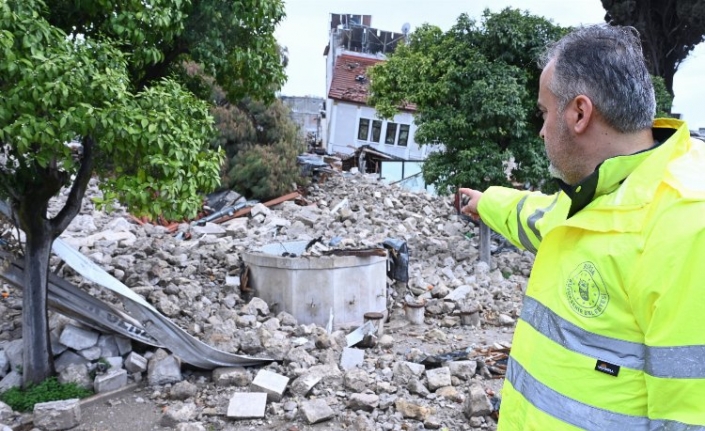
(350, 82)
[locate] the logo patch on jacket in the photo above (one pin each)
(607, 368)
(586, 292)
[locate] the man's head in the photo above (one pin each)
(594, 83)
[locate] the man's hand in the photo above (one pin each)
(469, 199)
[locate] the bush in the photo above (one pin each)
(264, 172)
(23, 400)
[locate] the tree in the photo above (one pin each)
(475, 90)
(260, 140)
(142, 133)
(664, 99)
(669, 30)
(232, 40)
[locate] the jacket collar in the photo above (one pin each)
(611, 173)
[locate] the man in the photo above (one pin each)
(612, 329)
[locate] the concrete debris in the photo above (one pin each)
(247, 405)
(272, 384)
(195, 275)
(57, 415)
(316, 411)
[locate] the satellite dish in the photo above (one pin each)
(405, 28)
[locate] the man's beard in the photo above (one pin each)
(555, 172)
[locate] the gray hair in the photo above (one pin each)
(606, 64)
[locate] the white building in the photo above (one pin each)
(350, 123)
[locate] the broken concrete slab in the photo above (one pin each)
(272, 384)
(163, 368)
(351, 358)
(78, 338)
(316, 411)
(112, 380)
(57, 415)
(248, 405)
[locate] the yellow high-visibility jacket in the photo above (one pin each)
(612, 328)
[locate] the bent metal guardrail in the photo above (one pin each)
(144, 323)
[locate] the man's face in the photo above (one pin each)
(559, 142)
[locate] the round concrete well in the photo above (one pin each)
(312, 287)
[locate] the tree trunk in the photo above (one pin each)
(38, 364)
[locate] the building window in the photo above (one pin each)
(403, 135)
(364, 129)
(376, 130)
(391, 135)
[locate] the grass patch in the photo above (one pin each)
(23, 400)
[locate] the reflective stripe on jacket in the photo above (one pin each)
(612, 330)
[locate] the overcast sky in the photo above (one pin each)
(305, 33)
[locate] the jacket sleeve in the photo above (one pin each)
(519, 216)
(667, 294)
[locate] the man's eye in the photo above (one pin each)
(540, 114)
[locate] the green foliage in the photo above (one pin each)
(233, 40)
(147, 136)
(23, 400)
(253, 131)
(166, 143)
(669, 30)
(475, 90)
(664, 99)
(267, 171)
(153, 146)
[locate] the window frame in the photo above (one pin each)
(366, 128)
(406, 130)
(394, 126)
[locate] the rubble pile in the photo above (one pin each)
(442, 373)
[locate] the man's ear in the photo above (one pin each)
(579, 113)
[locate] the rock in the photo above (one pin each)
(438, 378)
(477, 403)
(163, 368)
(247, 405)
(196, 283)
(13, 379)
(112, 380)
(403, 371)
(357, 380)
(463, 370)
(6, 412)
(135, 363)
(68, 358)
(231, 376)
(78, 374)
(272, 384)
(191, 426)
(4, 364)
(14, 352)
(178, 413)
(415, 386)
(183, 390)
(316, 411)
(257, 306)
(304, 383)
(412, 411)
(364, 402)
(78, 338)
(108, 346)
(57, 415)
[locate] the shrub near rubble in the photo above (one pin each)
(23, 400)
